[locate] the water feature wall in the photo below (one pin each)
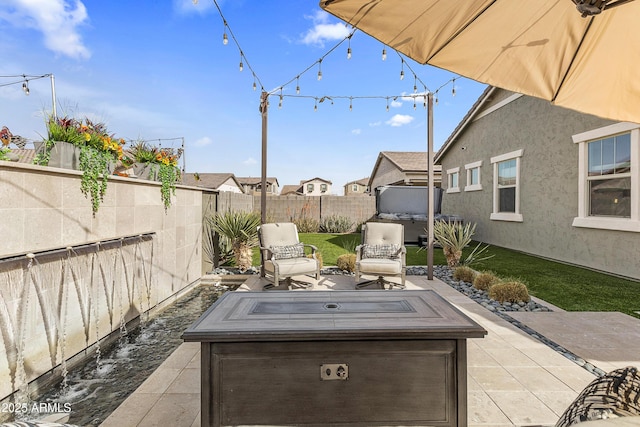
(67, 278)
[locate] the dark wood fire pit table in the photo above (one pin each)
(342, 358)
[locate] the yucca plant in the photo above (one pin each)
(241, 228)
(453, 237)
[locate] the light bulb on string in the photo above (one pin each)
(320, 69)
(453, 87)
(436, 98)
(298, 85)
(241, 64)
(254, 83)
(350, 103)
(315, 107)
(25, 87)
(415, 84)
(424, 102)
(387, 103)
(349, 48)
(280, 103)
(384, 54)
(414, 102)
(225, 39)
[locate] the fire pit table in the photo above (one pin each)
(346, 358)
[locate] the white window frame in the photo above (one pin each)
(450, 174)
(310, 188)
(354, 188)
(469, 167)
(607, 223)
(323, 188)
(506, 216)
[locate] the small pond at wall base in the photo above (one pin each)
(92, 391)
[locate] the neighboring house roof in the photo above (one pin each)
(249, 180)
(209, 180)
(405, 161)
(362, 181)
(25, 155)
(290, 189)
(466, 120)
(315, 179)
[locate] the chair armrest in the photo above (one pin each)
(265, 253)
(313, 248)
(359, 252)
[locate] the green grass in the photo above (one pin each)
(568, 287)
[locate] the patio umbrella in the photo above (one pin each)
(579, 54)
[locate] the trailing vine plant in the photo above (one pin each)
(94, 164)
(168, 174)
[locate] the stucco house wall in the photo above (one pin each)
(387, 173)
(549, 184)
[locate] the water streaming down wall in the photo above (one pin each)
(58, 305)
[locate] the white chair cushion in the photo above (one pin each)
(380, 266)
(292, 266)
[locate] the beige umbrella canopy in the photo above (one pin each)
(578, 54)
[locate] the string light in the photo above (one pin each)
(402, 70)
(453, 87)
(320, 69)
(298, 85)
(241, 64)
(255, 86)
(25, 87)
(415, 84)
(384, 54)
(315, 107)
(225, 39)
(387, 103)
(350, 103)
(349, 48)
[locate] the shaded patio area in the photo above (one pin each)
(513, 378)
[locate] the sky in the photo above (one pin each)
(158, 70)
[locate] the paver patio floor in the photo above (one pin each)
(513, 378)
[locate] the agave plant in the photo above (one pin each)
(241, 228)
(453, 237)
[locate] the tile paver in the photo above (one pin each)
(513, 378)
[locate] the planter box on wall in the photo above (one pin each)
(65, 155)
(146, 171)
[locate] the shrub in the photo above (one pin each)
(464, 273)
(335, 224)
(347, 262)
(306, 225)
(511, 291)
(318, 257)
(453, 237)
(350, 243)
(485, 280)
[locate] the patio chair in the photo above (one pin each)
(283, 256)
(382, 253)
(615, 394)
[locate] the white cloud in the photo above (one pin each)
(250, 161)
(57, 20)
(202, 142)
(186, 7)
(322, 31)
(399, 120)
(375, 124)
(356, 131)
(396, 104)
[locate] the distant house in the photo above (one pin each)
(359, 187)
(291, 190)
(252, 185)
(213, 181)
(547, 181)
(315, 187)
(402, 168)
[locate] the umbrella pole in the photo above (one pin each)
(431, 188)
(264, 107)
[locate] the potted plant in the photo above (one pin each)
(84, 145)
(157, 164)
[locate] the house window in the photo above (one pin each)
(309, 188)
(608, 177)
(323, 188)
(506, 187)
(453, 176)
(473, 176)
(354, 188)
